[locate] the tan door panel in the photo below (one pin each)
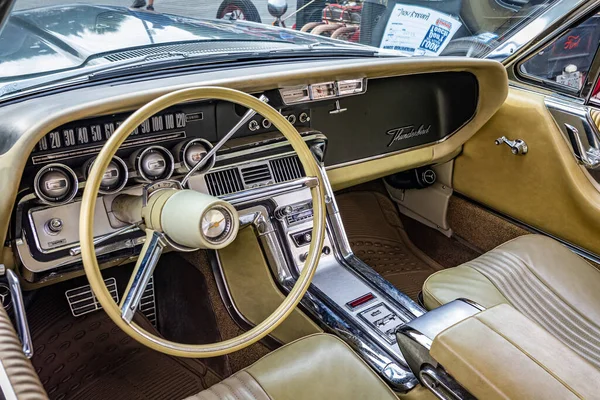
(546, 188)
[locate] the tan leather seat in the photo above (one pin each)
(539, 277)
(315, 367)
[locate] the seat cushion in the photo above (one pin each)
(538, 276)
(315, 367)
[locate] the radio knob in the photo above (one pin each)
(291, 118)
(266, 123)
(283, 212)
(253, 126)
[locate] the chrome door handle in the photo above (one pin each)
(517, 146)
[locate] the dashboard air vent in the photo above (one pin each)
(287, 169)
(256, 174)
(224, 182)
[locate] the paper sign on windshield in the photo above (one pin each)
(418, 30)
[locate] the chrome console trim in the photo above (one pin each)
(323, 301)
(7, 388)
(579, 130)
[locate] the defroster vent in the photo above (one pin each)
(255, 174)
(224, 182)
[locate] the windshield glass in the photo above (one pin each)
(47, 40)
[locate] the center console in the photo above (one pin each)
(347, 297)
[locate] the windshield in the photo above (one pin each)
(46, 40)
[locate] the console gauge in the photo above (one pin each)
(296, 94)
(55, 184)
(321, 91)
(191, 152)
(114, 178)
(153, 163)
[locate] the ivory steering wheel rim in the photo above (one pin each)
(90, 195)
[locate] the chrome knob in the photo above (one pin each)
(283, 212)
(54, 225)
(253, 126)
(304, 117)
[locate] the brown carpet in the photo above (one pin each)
(378, 238)
(91, 358)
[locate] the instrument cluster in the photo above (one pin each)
(57, 183)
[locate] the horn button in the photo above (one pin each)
(217, 224)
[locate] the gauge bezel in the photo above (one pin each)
(49, 200)
(122, 165)
(140, 172)
(181, 155)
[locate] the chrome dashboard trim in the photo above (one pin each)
(65, 155)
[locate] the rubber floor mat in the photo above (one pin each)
(377, 237)
(89, 357)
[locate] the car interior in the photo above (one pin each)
(315, 228)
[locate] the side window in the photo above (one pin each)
(566, 62)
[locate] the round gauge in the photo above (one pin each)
(216, 224)
(55, 184)
(114, 178)
(191, 152)
(153, 163)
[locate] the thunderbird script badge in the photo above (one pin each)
(407, 132)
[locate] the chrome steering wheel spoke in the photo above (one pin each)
(146, 263)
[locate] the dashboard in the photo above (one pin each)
(347, 117)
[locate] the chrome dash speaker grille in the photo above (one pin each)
(252, 175)
(287, 169)
(224, 182)
(257, 175)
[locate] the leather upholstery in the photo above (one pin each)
(24, 381)
(240, 386)
(315, 367)
(540, 278)
(513, 358)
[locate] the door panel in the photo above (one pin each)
(546, 188)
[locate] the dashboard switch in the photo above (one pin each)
(253, 126)
(304, 117)
(53, 226)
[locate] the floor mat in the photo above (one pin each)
(89, 357)
(378, 238)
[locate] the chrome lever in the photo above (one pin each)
(75, 251)
(589, 157)
(20, 316)
(517, 146)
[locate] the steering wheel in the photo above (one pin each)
(173, 217)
